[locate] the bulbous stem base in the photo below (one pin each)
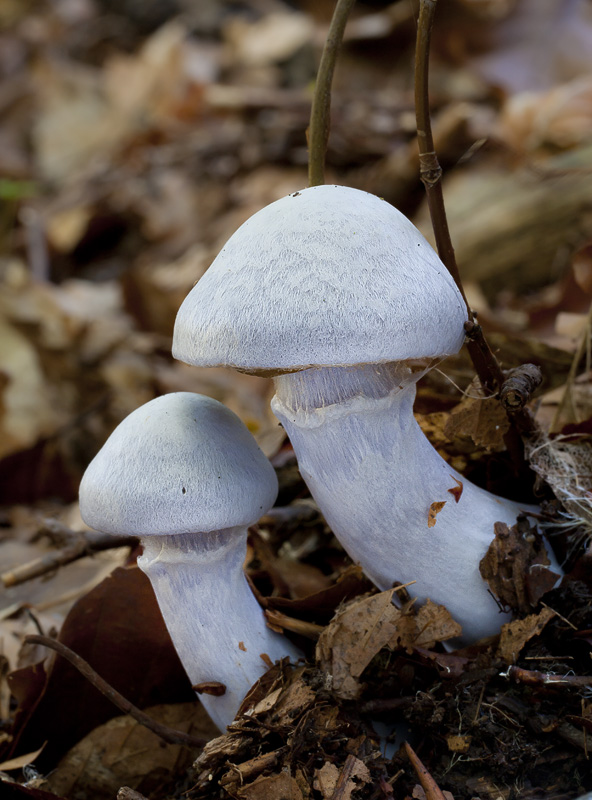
(375, 476)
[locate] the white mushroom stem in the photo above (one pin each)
(375, 476)
(217, 627)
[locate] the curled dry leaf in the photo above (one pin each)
(362, 628)
(457, 490)
(435, 509)
(516, 566)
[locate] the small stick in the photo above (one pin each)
(486, 364)
(519, 385)
(167, 734)
(320, 113)
(531, 677)
(342, 787)
(428, 784)
(279, 621)
(254, 766)
(79, 546)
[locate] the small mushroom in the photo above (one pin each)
(338, 296)
(184, 474)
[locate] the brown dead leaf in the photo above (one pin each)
(29, 791)
(433, 623)
(363, 627)
(332, 782)
(272, 787)
(435, 509)
(296, 698)
(263, 695)
(483, 420)
(124, 752)
(21, 761)
(321, 606)
(358, 632)
(515, 634)
(117, 627)
(515, 566)
(325, 780)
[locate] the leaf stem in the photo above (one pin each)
(320, 113)
(167, 734)
(486, 364)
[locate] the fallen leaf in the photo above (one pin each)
(353, 775)
(117, 627)
(483, 419)
(27, 405)
(123, 752)
(433, 623)
(20, 761)
(358, 632)
(364, 627)
(282, 786)
(513, 566)
(325, 780)
(515, 634)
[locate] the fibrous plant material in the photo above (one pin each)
(565, 463)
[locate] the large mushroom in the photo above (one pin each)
(338, 296)
(184, 474)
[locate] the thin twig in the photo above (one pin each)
(428, 784)
(343, 785)
(167, 734)
(486, 364)
(279, 621)
(320, 113)
(532, 677)
(78, 546)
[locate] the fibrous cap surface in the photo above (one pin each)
(181, 463)
(327, 276)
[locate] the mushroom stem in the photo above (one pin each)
(375, 476)
(217, 627)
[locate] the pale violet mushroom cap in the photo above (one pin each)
(181, 463)
(328, 276)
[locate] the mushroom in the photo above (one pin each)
(338, 296)
(184, 474)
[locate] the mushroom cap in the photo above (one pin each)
(328, 276)
(181, 463)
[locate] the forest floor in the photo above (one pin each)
(136, 137)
